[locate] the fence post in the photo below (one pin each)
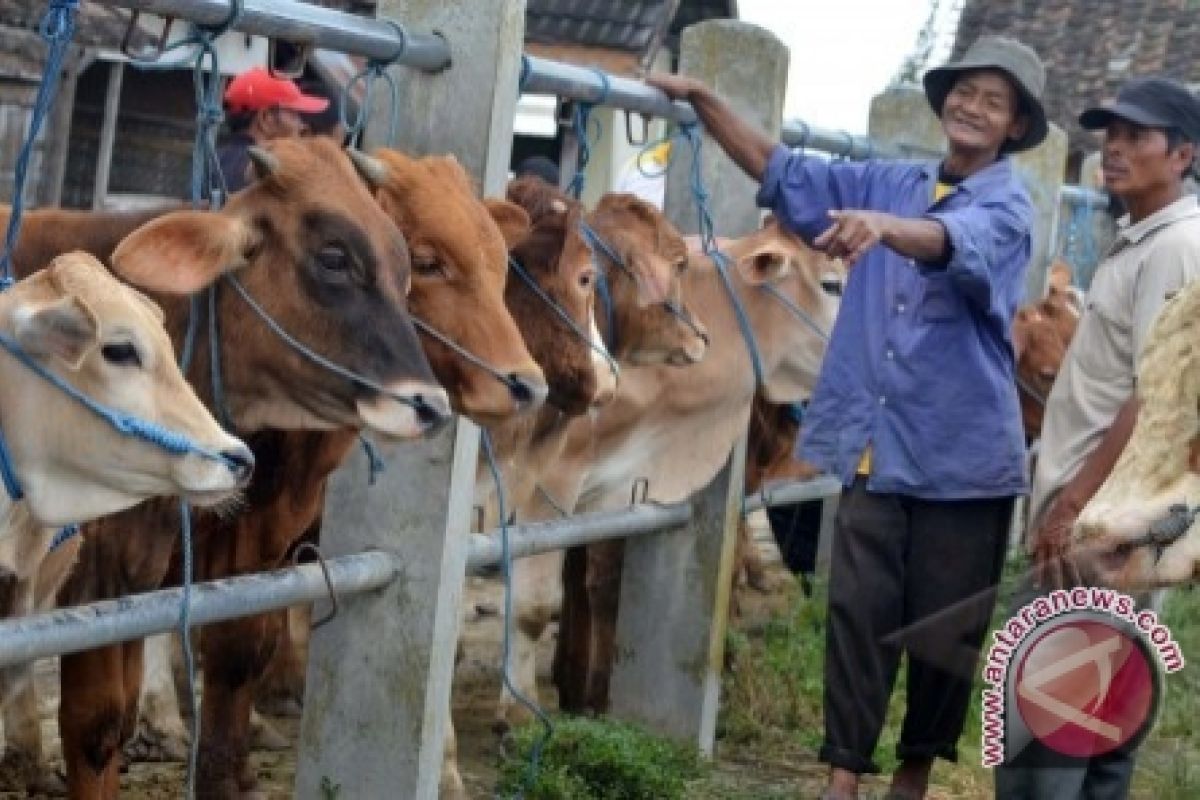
(746, 65)
(379, 674)
(674, 606)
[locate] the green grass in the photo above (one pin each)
(589, 759)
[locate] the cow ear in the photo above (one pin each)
(64, 328)
(764, 265)
(512, 220)
(183, 252)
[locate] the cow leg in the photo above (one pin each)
(23, 767)
(235, 654)
(572, 653)
(605, 561)
(537, 598)
(160, 733)
(90, 714)
(281, 691)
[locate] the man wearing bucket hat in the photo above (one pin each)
(1151, 132)
(261, 107)
(915, 409)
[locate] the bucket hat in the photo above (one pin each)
(1014, 59)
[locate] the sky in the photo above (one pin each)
(844, 52)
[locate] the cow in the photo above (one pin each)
(315, 251)
(1041, 333)
(1129, 535)
(677, 426)
(106, 342)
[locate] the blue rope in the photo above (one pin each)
(558, 310)
(9, 473)
(523, 80)
(185, 626)
(708, 241)
(127, 424)
(535, 754)
(375, 464)
(580, 122)
(375, 70)
(56, 29)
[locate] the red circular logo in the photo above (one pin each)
(1086, 687)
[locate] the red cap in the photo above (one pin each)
(257, 89)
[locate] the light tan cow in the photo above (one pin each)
(108, 342)
(677, 426)
(1160, 466)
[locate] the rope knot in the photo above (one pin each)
(209, 116)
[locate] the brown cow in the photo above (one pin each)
(1041, 333)
(317, 252)
(676, 426)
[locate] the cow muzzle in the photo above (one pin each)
(409, 410)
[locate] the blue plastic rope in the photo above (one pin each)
(523, 79)
(8, 472)
(57, 29)
(375, 70)
(170, 441)
(580, 123)
(708, 241)
(535, 755)
(375, 464)
(185, 626)
(558, 310)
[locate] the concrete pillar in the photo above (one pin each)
(747, 66)
(674, 610)
(379, 674)
(1102, 227)
(901, 117)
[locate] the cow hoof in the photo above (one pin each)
(149, 745)
(265, 736)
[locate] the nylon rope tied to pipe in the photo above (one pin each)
(373, 72)
(581, 119)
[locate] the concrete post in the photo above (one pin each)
(901, 117)
(747, 66)
(1103, 227)
(379, 674)
(674, 607)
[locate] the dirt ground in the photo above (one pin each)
(736, 774)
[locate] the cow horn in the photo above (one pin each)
(265, 163)
(372, 169)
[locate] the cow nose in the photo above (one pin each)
(432, 410)
(527, 392)
(240, 462)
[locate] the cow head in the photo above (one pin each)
(792, 350)
(1160, 466)
(567, 274)
(108, 342)
(311, 246)
(651, 323)
(459, 263)
(1041, 333)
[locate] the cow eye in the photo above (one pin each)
(123, 354)
(586, 278)
(427, 265)
(334, 258)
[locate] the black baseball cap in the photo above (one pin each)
(1153, 102)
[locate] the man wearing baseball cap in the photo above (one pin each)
(1151, 133)
(260, 107)
(916, 409)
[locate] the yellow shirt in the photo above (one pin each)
(940, 190)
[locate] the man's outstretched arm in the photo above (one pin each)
(749, 147)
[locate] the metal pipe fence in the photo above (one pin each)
(310, 25)
(571, 82)
(108, 622)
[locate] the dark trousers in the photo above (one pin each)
(907, 576)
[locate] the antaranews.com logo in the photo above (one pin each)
(1079, 670)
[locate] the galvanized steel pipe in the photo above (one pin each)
(1082, 196)
(544, 76)
(532, 538)
(798, 492)
(797, 133)
(70, 630)
(302, 23)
